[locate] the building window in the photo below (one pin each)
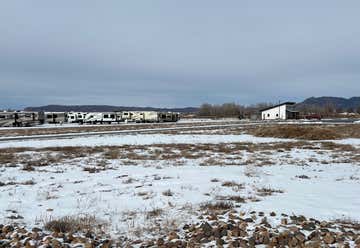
(268, 115)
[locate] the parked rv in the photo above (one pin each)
(55, 117)
(76, 117)
(151, 116)
(127, 116)
(138, 117)
(168, 117)
(9, 119)
(109, 117)
(96, 117)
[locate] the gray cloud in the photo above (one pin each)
(176, 53)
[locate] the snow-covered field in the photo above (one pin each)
(290, 178)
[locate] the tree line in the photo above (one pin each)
(242, 111)
(230, 110)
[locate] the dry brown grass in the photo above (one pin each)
(6, 157)
(168, 193)
(156, 212)
(93, 169)
(296, 132)
(232, 184)
(28, 182)
(112, 153)
(211, 154)
(337, 147)
(268, 191)
(232, 198)
(220, 205)
(307, 132)
(87, 223)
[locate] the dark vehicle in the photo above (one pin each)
(313, 117)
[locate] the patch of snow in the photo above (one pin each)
(140, 139)
(350, 141)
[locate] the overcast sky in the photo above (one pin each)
(177, 53)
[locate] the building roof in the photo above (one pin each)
(275, 106)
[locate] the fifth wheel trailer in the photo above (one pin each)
(97, 117)
(76, 117)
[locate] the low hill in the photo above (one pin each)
(105, 108)
(339, 103)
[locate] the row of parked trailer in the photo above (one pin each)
(8, 119)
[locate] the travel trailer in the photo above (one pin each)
(127, 116)
(150, 116)
(138, 117)
(76, 117)
(168, 117)
(55, 117)
(96, 117)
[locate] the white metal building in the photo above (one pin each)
(281, 111)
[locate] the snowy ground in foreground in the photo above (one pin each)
(330, 192)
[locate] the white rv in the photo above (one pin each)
(138, 117)
(150, 116)
(76, 117)
(127, 116)
(95, 117)
(109, 117)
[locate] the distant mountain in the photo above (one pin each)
(105, 108)
(343, 104)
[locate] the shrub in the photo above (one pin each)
(168, 193)
(154, 213)
(220, 205)
(73, 224)
(268, 191)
